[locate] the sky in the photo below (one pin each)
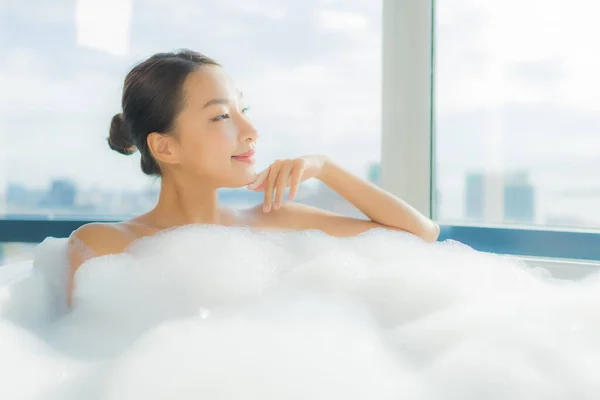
(516, 86)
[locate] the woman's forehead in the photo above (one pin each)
(209, 83)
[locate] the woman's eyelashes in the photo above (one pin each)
(227, 116)
(221, 117)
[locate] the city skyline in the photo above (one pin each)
(489, 199)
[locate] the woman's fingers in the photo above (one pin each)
(274, 171)
(296, 178)
(282, 183)
(275, 179)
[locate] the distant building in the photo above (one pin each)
(17, 194)
(497, 198)
(519, 199)
(21, 199)
(475, 197)
(484, 198)
(62, 194)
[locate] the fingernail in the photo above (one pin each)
(266, 208)
(276, 206)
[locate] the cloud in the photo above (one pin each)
(39, 11)
(340, 21)
(519, 57)
(269, 9)
(544, 72)
(104, 25)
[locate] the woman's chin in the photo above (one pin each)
(243, 180)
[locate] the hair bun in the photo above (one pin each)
(119, 138)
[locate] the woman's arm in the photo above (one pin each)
(382, 208)
(377, 204)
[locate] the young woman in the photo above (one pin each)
(185, 116)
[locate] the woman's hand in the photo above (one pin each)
(283, 174)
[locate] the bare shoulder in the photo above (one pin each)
(297, 216)
(98, 239)
(94, 240)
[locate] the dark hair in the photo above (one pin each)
(152, 99)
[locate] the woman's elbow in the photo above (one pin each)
(432, 233)
(428, 232)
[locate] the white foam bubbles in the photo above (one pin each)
(230, 313)
(294, 348)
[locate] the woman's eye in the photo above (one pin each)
(221, 117)
(245, 110)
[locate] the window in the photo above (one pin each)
(517, 113)
(310, 71)
(512, 122)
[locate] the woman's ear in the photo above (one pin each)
(163, 148)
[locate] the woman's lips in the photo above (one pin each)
(247, 157)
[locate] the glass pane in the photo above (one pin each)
(310, 70)
(517, 112)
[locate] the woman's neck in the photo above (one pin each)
(184, 203)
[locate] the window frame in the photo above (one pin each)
(407, 149)
(36, 228)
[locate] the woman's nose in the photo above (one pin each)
(248, 132)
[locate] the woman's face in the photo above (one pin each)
(214, 137)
